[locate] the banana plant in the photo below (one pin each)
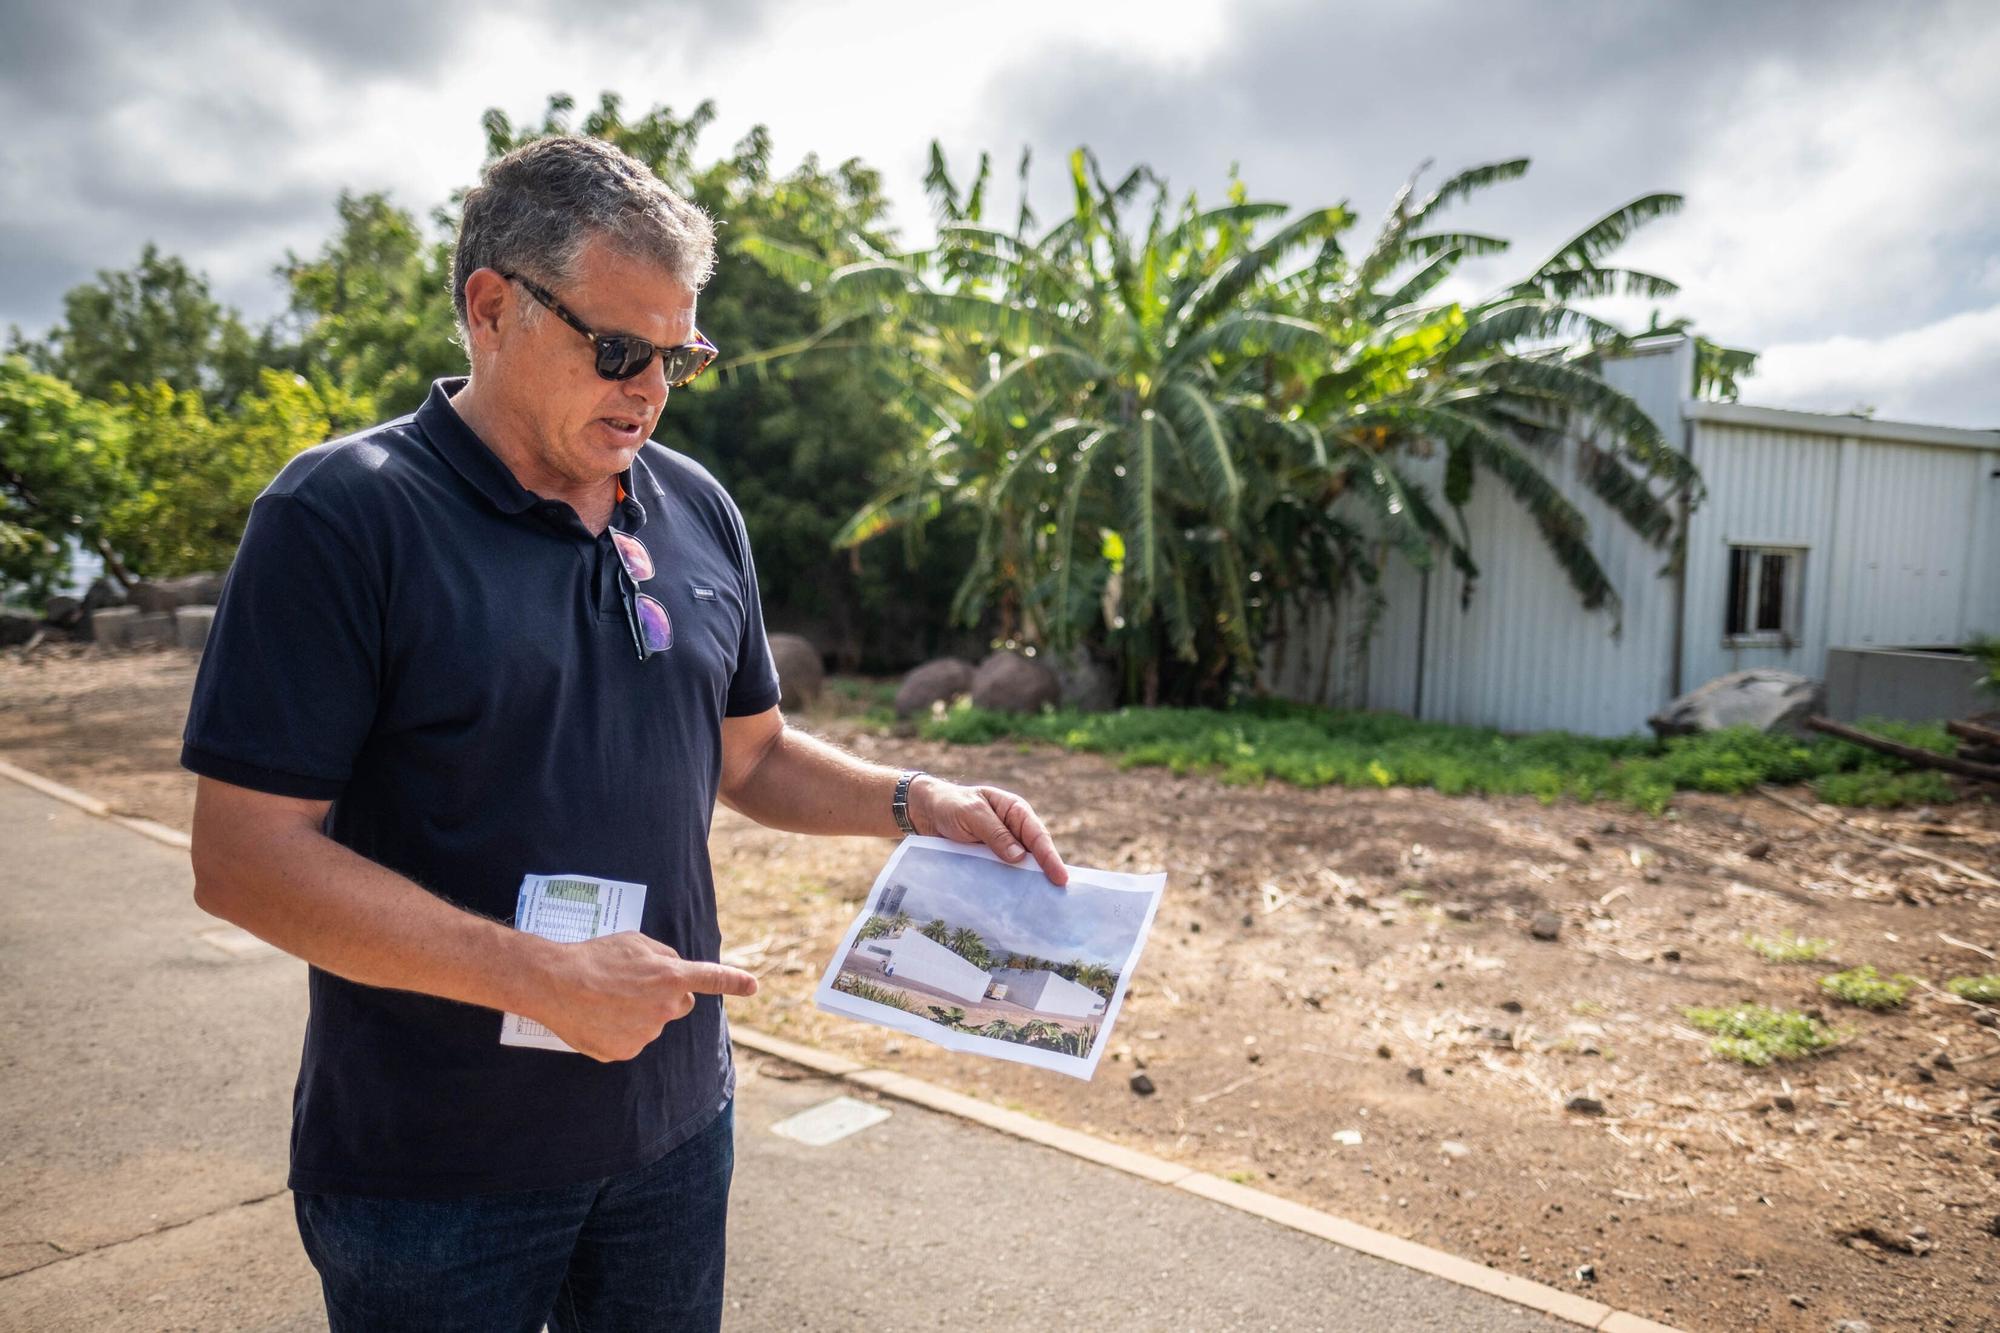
(1176, 422)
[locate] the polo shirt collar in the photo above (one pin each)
(482, 469)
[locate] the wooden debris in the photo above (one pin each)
(1972, 731)
(1963, 944)
(1914, 754)
(1835, 822)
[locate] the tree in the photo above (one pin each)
(968, 944)
(937, 931)
(1097, 977)
(1172, 428)
(373, 310)
(193, 475)
(154, 322)
(62, 465)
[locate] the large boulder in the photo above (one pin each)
(16, 629)
(1087, 684)
(172, 594)
(1764, 698)
(800, 672)
(100, 594)
(127, 627)
(939, 681)
(191, 627)
(63, 612)
(1011, 683)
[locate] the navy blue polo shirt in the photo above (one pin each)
(410, 633)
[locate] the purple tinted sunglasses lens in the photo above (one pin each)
(654, 626)
(632, 553)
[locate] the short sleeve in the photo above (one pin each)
(290, 675)
(754, 687)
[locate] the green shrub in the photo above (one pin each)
(950, 1016)
(1987, 649)
(1755, 1035)
(1797, 949)
(1865, 987)
(1980, 990)
(1876, 787)
(868, 990)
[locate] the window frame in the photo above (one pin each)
(1791, 607)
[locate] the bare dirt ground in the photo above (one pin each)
(1342, 960)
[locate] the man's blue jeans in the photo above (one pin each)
(643, 1250)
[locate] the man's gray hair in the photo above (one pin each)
(535, 210)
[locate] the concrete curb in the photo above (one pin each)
(90, 805)
(1379, 1244)
(1367, 1240)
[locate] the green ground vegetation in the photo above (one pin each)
(1793, 949)
(1756, 1035)
(1316, 747)
(1869, 989)
(1040, 1033)
(868, 990)
(1981, 990)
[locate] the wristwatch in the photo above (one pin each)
(901, 804)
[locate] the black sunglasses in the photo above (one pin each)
(620, 356)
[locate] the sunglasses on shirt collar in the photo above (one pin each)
(652, 628)
(620, 356)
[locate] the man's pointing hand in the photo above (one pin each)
(610, 997)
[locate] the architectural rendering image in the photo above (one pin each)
(921, 961)
(955, 977)
(962, 945)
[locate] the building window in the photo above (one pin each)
(1764, 595)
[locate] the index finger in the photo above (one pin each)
(713, 979)
(1024, 824)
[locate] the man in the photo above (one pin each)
(503, 636)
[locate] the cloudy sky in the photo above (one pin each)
(1838, 156)
(1017, 911)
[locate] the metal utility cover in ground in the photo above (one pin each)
(831, 1121)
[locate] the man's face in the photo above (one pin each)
(585, 427)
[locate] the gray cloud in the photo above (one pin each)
(1835, 153)
(1322, 103)
(1328, 103)
(61, 50)
(1019, 911)
(204, 127)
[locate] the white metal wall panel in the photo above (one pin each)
(1900, 541)
(1525, 654)
(1320, 659)
(1765, 487)
(1900, 526)
(1909, 556)
(1392, 657)
(1982, 564)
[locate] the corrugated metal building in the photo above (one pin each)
(1818, 532)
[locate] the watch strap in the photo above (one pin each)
(900, 805)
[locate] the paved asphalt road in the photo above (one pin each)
(145, 1079)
